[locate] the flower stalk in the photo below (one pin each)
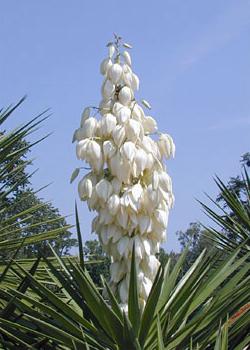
(128, 185)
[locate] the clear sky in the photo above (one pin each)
(193, 60)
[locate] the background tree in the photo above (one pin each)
(100, 261)
(194, 237)
(237, 184)
(17, 196)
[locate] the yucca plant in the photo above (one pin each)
(232, 218)
(196, 311)
(12, 232)
(14, 227)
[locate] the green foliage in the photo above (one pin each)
(99, 262)
(195, 239)
(234, 222)
(178, 311)
(23, 215)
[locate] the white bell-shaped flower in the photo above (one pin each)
(103, 189)
(125, 95)
(117, 270)
(166, 145)
(108, 89)
(133, 129)
(123, 115)
(128, 150)
(123, 292)
(105, 66)
(119, 135)
(140, 162)
(123, 246)
(115, 73)
(109, 149)
(107, 124)
(85, 115)
(149, 125)
(113, 204)
(85, 188)
(89, 127)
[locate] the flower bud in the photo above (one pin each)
(127, 58)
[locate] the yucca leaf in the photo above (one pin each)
(79, 236)
(159, 335)
(150, 308)
(134, 312)
(130, 340)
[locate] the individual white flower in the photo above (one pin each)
(89, 127)
(161, 217)
(123, 292)
(85, 188)
(78, 135)
(123, 246)
(119, 135)
(108, 89)
(135, 82)
(137, 112)
(140, 162)
(93, 200)
(136, 192)
(115, 73)
(113, 204)
(111, 50)
(107, 124)
(149, 125)
(155, 180)
(150, 265)
(105, 65)
(144, 223)
(125, 95)
(122, 217)
(166, 145)
(81, 148)
(116, 185)
(94, 155)
(123, 114)
(109, 149)
(145, 288)
(128, 150)
(133, 129)
(103, 189)
(105, 106)
(117, 271)
(85, 115)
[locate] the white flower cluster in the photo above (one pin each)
(128, 185)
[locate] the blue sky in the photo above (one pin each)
(192, 58)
